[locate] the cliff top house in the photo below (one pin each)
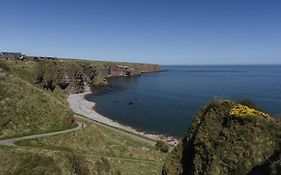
(15, 54)
(10, 55)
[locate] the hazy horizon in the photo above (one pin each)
(161, 32)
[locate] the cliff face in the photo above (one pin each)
(228, 138)
(78, 76)
(138, 69)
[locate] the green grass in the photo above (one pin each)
(95, 143)
(45, 161)
(226, 138)
(98, 140)
(27, 108)
(32, 161)
(120, 129)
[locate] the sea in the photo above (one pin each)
(165, 102)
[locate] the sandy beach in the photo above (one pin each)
(84, 107)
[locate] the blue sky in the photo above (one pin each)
(150, 31)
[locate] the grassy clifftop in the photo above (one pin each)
(75, 75)
(26, 109)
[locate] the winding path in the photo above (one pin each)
(12, 141)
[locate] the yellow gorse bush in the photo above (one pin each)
(239, 110)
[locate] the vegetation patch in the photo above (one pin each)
(162, 146)
(77, 162)
(100, 141)
(226, 137)
(28, 108)
(243, 111)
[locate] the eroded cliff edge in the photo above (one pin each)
(226, 137)
(78, 76)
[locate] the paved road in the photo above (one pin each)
(12, 141)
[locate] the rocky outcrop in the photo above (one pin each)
(39, 79)
(76, 76)
(226, 137)
(119, 70)
(49, 85)
(61, 79)
(124, 70)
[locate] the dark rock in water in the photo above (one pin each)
(228, 138)
(115, 101)
(132, 102)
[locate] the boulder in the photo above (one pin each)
(132, 102)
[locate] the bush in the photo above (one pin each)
(102, 165)
(216, 101)
(77, 162)
(37, 164)
(162, 146)
(249, 103)
(4, 67)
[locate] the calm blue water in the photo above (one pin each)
(165, 102)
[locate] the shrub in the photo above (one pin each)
(103, 165)
(243, 111)
(77, 162)
(216, 101)
(248, 102)
(37, 164)
(162, 146)
(4, 67)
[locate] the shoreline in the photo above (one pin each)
(80, 105)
